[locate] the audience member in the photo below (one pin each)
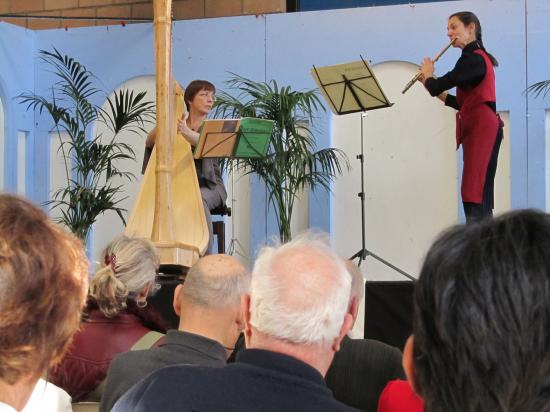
(362, 367)
(481, 340)
(211, 319)
(295, 318)
(43, 282)
(398, 396)
(117, 317)
(46, 393)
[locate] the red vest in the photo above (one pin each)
(476, 129)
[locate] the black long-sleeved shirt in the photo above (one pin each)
(469, 71)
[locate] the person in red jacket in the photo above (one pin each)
(478, 126)
(115, 319)
(399, 396)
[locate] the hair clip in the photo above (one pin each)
(110, 260)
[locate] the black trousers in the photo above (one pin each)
(478, 211)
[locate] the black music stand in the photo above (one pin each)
(352, 88)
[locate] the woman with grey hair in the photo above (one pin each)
(117, 316)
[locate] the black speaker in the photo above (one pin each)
(389, 311)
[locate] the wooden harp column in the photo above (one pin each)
(169, 208)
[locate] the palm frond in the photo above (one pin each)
(127, 112)
(292, 164)
(542, 87)
(89, 190)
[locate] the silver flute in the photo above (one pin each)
(436, 58)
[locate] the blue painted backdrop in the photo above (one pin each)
(284, 47)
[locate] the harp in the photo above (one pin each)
(169, 209)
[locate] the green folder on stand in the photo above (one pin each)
(238, 138)
(254, 137)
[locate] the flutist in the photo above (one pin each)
(479, 128)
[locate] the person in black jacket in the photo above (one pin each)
(296, 315)
(481, 340)
(362, 367)
(208, 304)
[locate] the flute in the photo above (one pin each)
(436, 58)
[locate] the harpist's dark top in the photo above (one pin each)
(469, 71)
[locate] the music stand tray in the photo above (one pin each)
(350, 87)
(234, 138)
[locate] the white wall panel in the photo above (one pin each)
(58, 169)
(21, 163)
(503, 182)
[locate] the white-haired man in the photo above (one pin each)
(296, 316)
(211, 319)
(363, 367)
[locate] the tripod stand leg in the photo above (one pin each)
(361, 254)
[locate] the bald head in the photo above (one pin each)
(299, 291)
(215, 281)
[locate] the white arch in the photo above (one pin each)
(109, 225)
(410, 175)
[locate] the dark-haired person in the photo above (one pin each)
(362, 367)
(481, 340)
(199, 97)
(479, 128)
(43, 282)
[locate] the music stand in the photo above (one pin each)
(234, 138)
(247, 137)
(352, 88)
(217, 138)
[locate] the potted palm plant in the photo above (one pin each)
(90, 161)
(292, 164)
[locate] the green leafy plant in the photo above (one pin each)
(90, 162)
(542, 87)
(292, 164)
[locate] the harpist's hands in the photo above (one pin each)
(427, 69)
(182, 125)
(191, 136)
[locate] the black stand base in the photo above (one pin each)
(364, 253)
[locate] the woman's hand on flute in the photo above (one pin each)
(426, 69)
(443, 96)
